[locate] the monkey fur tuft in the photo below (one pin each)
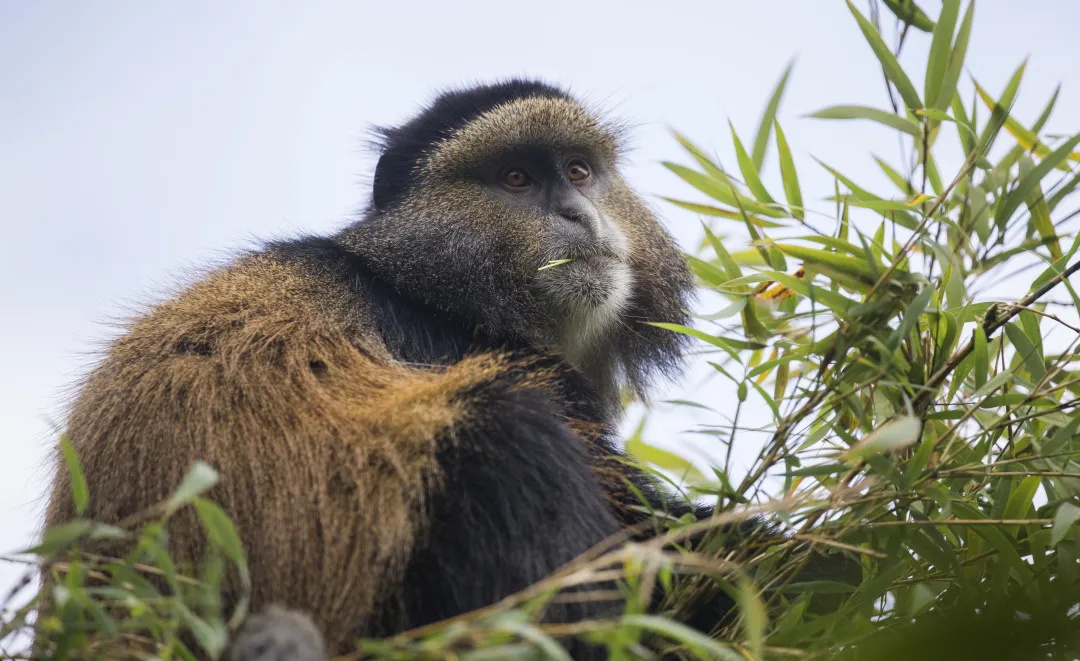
(278, 634)
(412, 418)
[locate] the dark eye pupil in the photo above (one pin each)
(516, 178)
(577, 171)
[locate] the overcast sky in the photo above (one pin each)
(138, 139)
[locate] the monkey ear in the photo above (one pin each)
(393, 172)
(278, 634)
(382, 191)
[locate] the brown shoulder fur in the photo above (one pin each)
(263, 371)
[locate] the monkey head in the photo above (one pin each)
(504, 204)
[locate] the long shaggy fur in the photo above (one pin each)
(400, 432)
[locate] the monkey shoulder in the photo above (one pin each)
(261, 304)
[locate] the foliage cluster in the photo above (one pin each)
(913, 351)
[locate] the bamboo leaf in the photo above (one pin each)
(1039, 212)
(1025, 138)
(80, 494)
(897, 433)
(199, 478)
(982, 357)
(749, 170)
(898, 179)
(938, 61)
(873, 114)
(721, 188)
(1028, 350)
(701, 645)
(787, 172)
(909, 12)
(663, 459)
(1067, 514)
(911, 318)
(889, 65)
(768, 118)
(1020, 502)
(1028, 183)
(947, 93)
(1000, 112)
(755, 619)
(702, 159)
(716, 212)
(718, 342)
(850, 265)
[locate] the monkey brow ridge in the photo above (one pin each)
(523, 123)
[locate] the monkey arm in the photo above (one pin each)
(326, 451)
(347, 474)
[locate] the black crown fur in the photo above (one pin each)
(402, 147)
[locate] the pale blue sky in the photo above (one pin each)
(138, 139)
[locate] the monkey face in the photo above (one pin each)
(577, 263)
(504, 205)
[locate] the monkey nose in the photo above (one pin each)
(580, 214)
(575, 215)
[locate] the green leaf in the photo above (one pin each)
(701, 645)
(947, 93)
(1039, 213)
(722, 254)
(663, 459)
(212, 637)
(873, 114)
(898, 179)
(553, 263)
(707, 210)
(938, 61)
(851, 265)
(723, 190)
(817, 471)
(703, 160)
(894, 434)
(908, 12)
(787, 171)
(755, 619)
(1029, 350)
(749, 170)
(221, 531)
(1067, 514)
(761, 139)
(1027, 139)
(1020, 502)
(61, 536)
(551, 650)
(1000, 114)
(1044, 116)
(911, 318)
(80, 494)
(982, 357)
(889, 65)
(200, 478)
(1057, 267)
(1029, 182)
(705, 337)
(704, 183)
(996, 538)
(966, 136)
(837, 303)
(710, 274)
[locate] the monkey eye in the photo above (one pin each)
(577, 170)
(516, 178)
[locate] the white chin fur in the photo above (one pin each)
(587, 324)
